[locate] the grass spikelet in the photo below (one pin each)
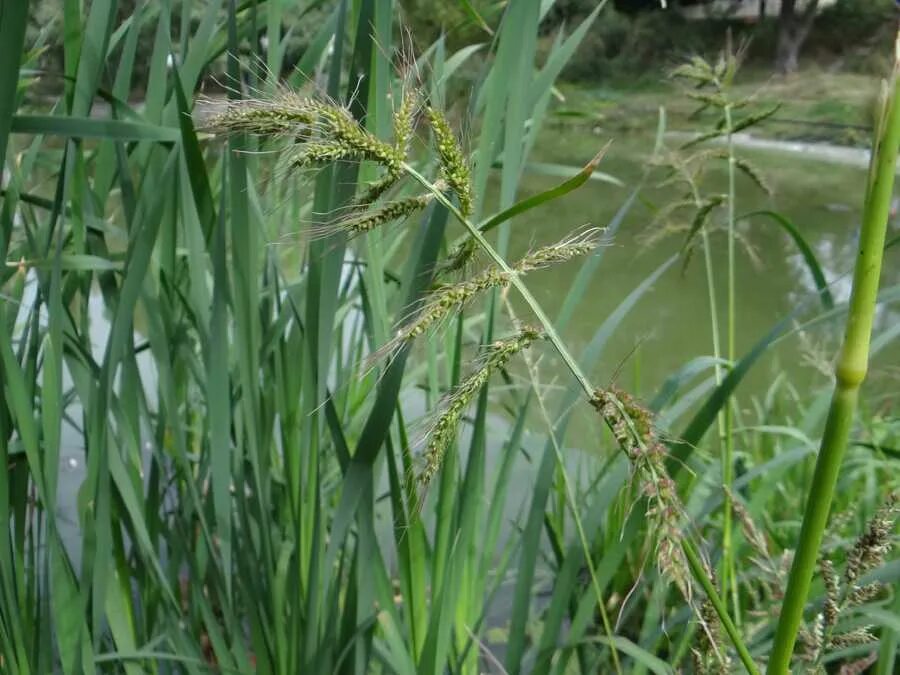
(375, 190)
(454, 168)
(396, 210)
(859, 666)
(344, 128)
(701, 217)
(831, 609)
(330, 131)
(286, 113)
(710, 655)
(460, 257)
(404, 120)
(456, 402)
(578, 244)
(845, 593)
(697, 70)
(754, 119)
(753, 173)
(859, 636)
(321, 152)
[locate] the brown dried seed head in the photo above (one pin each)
(870, 549)
(860, 636)
(831, 609)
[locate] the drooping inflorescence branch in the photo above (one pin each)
(455, 403)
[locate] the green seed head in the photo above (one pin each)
(455, 404)
(454, 168)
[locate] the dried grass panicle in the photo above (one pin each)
(859, 666)
(870, 549)
(832, 606)
(845, 592)
(751, 532)
(455, 403)
(710, 655)
(632, 427)
(859, 636)
(454, 168)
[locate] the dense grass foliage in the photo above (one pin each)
(276, 398)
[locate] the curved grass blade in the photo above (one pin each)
(564, 188)
(805, 250)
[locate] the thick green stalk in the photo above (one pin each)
(849, 371)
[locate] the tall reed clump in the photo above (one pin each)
(850, 371)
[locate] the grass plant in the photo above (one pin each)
(225, 317)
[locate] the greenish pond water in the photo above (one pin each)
(671, 324)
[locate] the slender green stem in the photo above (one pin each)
(572, 365)
(694, 561)
(850, 372)
(727, 574)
